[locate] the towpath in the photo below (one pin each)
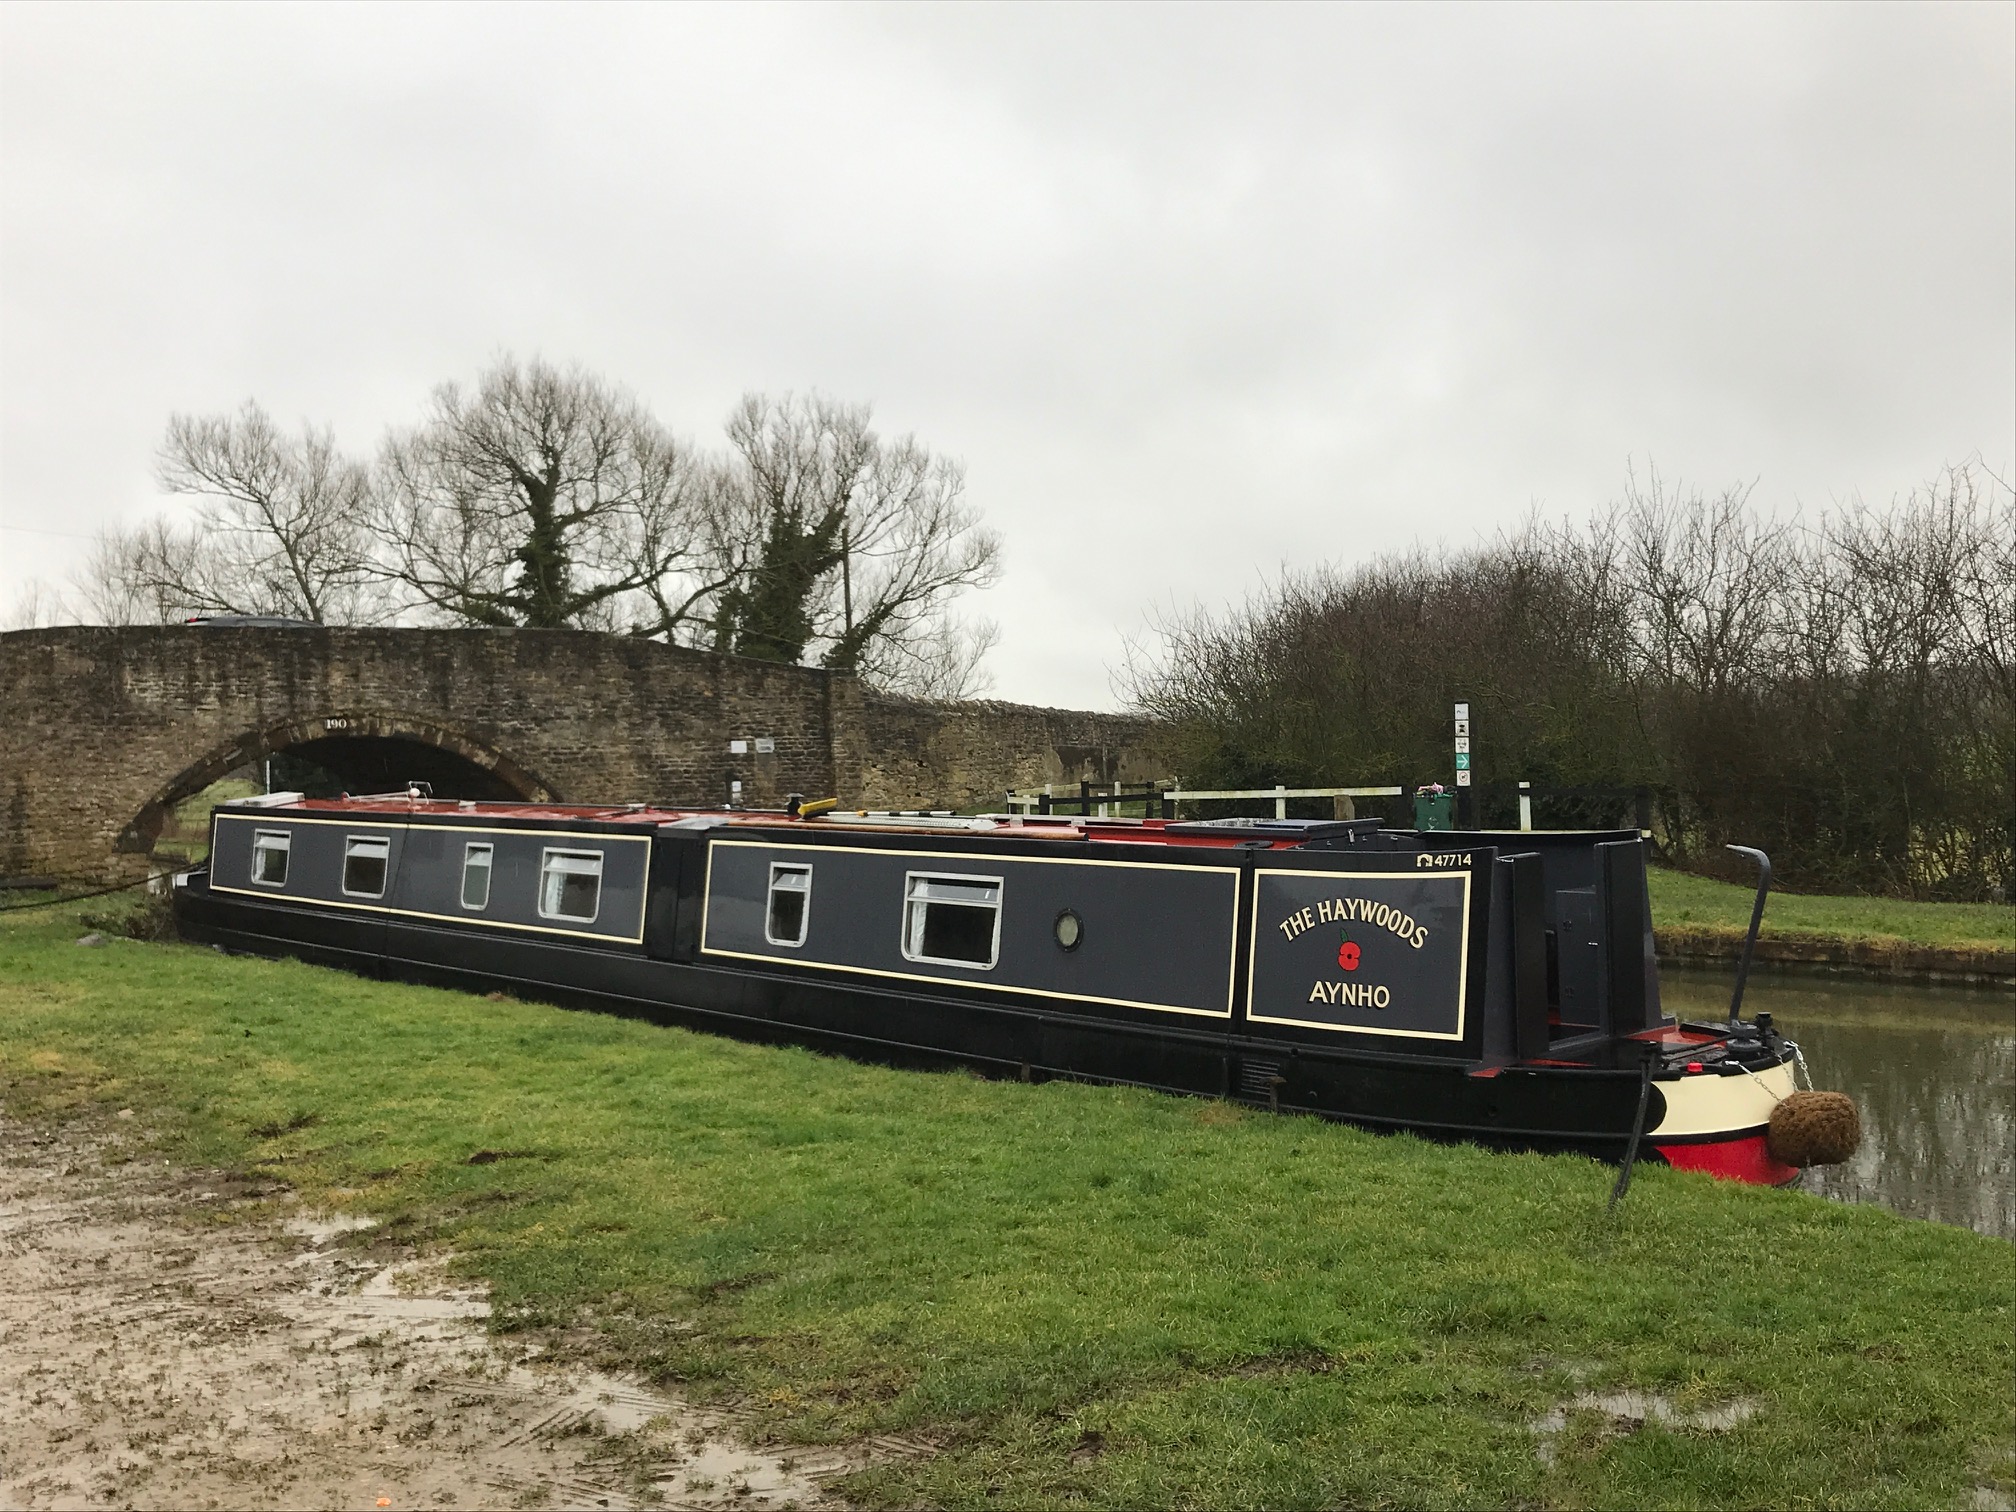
(153, 1352)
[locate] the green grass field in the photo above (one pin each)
(1680, 898)
(1085, 1296)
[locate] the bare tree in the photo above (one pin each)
(281, 527)
(548, 499)
(942, 659)
(909, 545)
(131, 576)
(35, 606)
(850, 548)
(1708, 578)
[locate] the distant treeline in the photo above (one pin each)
(1841, 693)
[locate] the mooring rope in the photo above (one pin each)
(102, 892)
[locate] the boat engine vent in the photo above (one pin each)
(1260, 1078)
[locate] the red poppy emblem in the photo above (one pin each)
(1347, 955)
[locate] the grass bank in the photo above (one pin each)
(1679, 898)
(1085, 1296)
(1699, 919)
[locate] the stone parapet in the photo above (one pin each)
(103, 729)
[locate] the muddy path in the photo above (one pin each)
(154, 1356)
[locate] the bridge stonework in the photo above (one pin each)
(104, 729)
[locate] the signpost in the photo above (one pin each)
(1466, 800)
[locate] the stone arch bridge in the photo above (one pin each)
(104, 729)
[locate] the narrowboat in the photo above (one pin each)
(1497, 987)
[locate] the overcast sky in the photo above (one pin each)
(1194, 292)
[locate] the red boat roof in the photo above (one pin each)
(644, 815)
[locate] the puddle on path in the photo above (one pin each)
(1627, 1411)
(146, 1359)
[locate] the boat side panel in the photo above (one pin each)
(424, 872)
(868, 1021)
(430, 882)
(1155, 936)
(314, 857)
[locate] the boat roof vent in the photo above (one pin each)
(910, 819)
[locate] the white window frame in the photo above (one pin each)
(546, 858)
(286, 839)
(350, 842)
(489, 874)
(796, 869)
(912, 902)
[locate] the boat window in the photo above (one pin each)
(790, 904)
(269, 857)
(954, 921)
(476, 876)
(364, 866)
(570, 885)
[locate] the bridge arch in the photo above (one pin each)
(364, 751)
(104, 728)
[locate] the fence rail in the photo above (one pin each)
(1086, 798)
(1585, 805)
(1280, 795)
(1163, 800)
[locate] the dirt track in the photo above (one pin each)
(153, 1356)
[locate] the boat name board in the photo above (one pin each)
(1384, 953)
(1346, 910)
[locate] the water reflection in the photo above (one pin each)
(1933, 1069)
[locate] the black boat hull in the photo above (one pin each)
(1585, 1109)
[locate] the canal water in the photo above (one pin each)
(1933, 1070)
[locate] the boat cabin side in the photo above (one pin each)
(1477, 947)
(566, 880)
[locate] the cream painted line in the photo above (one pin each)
(1230, 873)
(1706, 1103)
(270, 816)
(1462, 966)
(471, 917)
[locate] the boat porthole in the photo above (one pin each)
(1070, 929)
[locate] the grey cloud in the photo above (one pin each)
(1223, 287)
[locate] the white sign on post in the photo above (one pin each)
(1462, 745)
